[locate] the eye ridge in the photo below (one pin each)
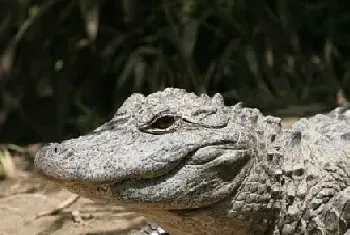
(163, 122)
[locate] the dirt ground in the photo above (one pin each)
(24, 196)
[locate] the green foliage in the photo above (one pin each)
(86, 119)
(58, 56)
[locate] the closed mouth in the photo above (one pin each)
(161, 174)
(151, 178)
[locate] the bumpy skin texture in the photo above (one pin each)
(199, 167)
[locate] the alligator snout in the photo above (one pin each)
(52, 162)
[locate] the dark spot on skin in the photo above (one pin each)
(69, 154)
(345, 136)
(269, 156)
(290, 200)
(316, 231)
(268, 188)
(299, 172)
(310, 177)
(273, 138)
(296, 138)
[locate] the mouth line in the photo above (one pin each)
(121, 187)
(228, 145)
(159, 175)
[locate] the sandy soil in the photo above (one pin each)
(24, 196)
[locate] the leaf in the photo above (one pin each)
(128, 68)
(189, 37)
(90, 12)
(6, 60)
(252, 61)
(129, 7)
(328, 51)
(139, 72)
(7, 166)
(14, 147)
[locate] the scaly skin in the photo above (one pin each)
(197, 166)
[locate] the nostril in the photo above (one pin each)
(52, 148)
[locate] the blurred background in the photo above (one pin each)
(66, 66)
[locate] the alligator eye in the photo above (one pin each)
(163, 122)
(161, 125)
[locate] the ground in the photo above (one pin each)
(24, 196)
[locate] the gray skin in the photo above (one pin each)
(197, 166)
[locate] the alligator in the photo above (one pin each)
(197, 166)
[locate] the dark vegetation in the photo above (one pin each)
(66, 66)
